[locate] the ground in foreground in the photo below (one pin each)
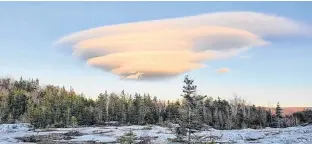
(21, 133)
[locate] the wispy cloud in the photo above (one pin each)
(223, 70)
(245, 56)
(169, 47)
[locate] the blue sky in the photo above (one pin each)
(278, 72)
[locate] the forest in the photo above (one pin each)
(25, 101)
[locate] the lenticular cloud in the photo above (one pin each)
(169, 47)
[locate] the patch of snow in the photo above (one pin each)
(98, 138)
(8, 132)
(10, 128)
(300, 134)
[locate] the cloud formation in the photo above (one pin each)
(223, 70)
(245, 56)
(169, 47)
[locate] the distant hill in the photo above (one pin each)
(290, 110)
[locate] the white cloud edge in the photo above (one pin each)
(290, 26)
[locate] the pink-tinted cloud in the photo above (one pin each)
(169, 47)
(223, 70)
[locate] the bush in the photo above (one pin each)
(31, 139)
(74, 121)
(149, 127)
(127, 138)
(73, 133)
(59, 125)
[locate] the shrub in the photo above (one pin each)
(31, 139)
(73, 133)
(149, 127)
(127, 138)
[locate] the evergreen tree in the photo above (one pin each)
(192, 120)
(278, 114)
(52, 106)
(278, 111)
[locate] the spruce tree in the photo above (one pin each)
(278, 114)
(190, 119)
(53, 106)
(278, 111)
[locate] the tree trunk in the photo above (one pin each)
(189, 125)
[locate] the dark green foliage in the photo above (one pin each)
(52, 106)
(190, 119)
(127, 138)
(73, 121)
(278, 111)
(278, 115)
(17, 103)
(304, 116)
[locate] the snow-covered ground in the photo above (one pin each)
(291, 135)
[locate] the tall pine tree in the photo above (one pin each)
(191, 100)
(278, 114)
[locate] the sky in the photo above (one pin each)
(260, 51)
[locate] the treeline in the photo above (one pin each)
(52, 106)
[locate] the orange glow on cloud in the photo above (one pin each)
(171, 47)
(223, 70)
